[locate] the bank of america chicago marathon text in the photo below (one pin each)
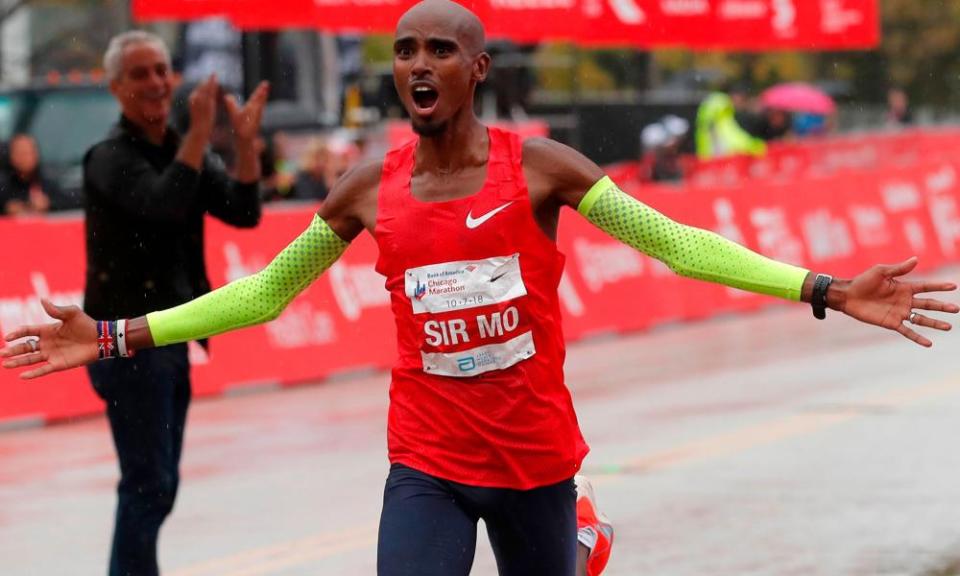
(444, 287)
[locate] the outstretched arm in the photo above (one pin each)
(73, 340)
(245, 302)
(248, 301)
(878, 296)
(688, 251)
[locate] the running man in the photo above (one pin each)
(481, 424)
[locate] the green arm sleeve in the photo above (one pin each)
(688, 251)
(255, 299)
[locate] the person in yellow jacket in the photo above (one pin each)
(718, 133)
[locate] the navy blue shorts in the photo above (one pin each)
(429, 527)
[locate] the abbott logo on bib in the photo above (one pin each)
(476, 321)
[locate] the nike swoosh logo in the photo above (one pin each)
(474, 222)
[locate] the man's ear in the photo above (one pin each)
(481, 67)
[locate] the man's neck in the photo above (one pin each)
(458, 147)
(153, 132)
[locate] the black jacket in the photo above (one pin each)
(144, 222)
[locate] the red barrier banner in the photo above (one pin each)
(696, 24)
(822, 158)
(840, 225)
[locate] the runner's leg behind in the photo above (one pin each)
(534, 532)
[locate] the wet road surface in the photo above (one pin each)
(771, 444)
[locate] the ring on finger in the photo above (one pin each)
(913, 317)
(33, 344)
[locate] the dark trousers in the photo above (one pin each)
(147, 398)
(429, 527)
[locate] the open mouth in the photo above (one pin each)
(425, 98)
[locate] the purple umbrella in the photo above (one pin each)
(799, 97)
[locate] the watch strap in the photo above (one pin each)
(818, 299)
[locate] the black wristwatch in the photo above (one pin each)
(818, 299)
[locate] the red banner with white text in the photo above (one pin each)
(696, 24)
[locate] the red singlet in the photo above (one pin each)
(477, 395)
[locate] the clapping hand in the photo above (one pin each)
(246, 119)
(203, 107)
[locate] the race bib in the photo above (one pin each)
(475, 320)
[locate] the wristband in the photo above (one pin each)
(122, 348)
(818, 298)
(112, 340)
(106, 339)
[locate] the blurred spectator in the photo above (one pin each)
(740, 94)
(805, 125)
(898, 109)
(306, 167)
(326, 162)
(759, 121)
(719, 134)
(511, 81)
(343, 155)
(653, 137)
(147, 193)
(23, 189)
(662, 142)
(677, 127)
(279, 172)
(312, 181)
(268, 169)
(773, 124)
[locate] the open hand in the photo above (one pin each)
(203, 107)
(879, 296)
(70, 342)
(246, 120)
